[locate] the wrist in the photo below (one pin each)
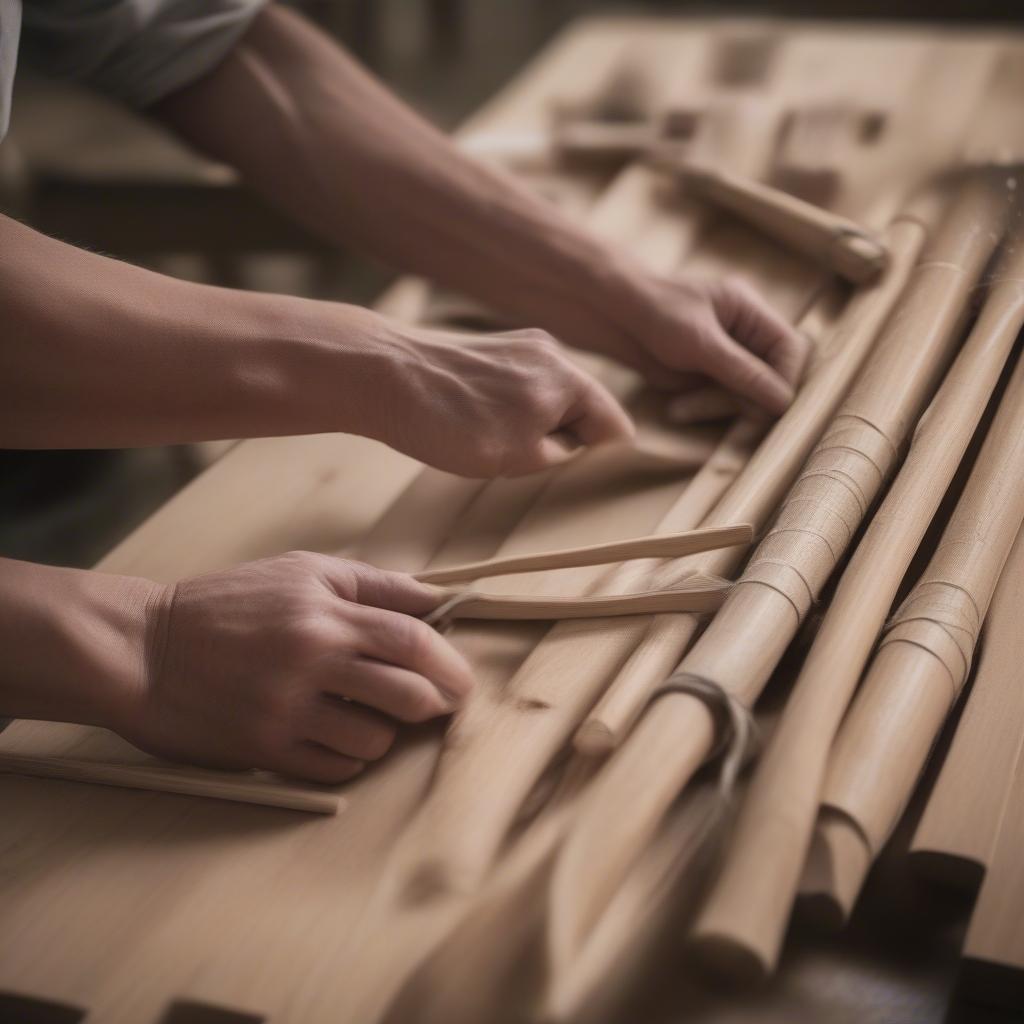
(80, 643)
(599, 297)
(109, 642)
(324, 366)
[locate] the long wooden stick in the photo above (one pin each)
(746, 915)
(926, 652)
(757, 492)
(745, 641)
(244, 787)
(670, 545)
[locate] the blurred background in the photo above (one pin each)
(86, 171)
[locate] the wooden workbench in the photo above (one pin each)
(126, 904)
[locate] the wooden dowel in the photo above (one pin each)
(843, 245)
(243, 787)
(746, 639)
(673, 545)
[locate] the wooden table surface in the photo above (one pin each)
(125, 903)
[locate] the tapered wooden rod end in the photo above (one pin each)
(859, 257)
(837, 864)
(724, 961)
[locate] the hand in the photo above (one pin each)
(302, 664)
(492, 405)
(682, 331)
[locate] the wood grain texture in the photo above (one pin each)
(122, 901)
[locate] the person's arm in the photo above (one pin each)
(301, 664)
(98, 353)
(311, 130)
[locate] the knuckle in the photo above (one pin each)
(302, 561)
(535, 337)
(304, 638)
(417, 639)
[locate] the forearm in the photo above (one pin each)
(324, 140)
(99, 353)
(74, 642)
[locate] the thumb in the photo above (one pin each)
(595, 417)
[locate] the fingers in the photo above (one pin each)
(355, 732)
(749, 320)
(596, 417)
(398, 692)
(411, 644)
(744, 374)
(590, 415)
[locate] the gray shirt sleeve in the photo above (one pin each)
(135, 50)
(10, 30)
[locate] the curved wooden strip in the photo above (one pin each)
(670, 545)
(695, 593)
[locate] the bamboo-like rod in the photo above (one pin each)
(745, 918)
(670, 545)
(843, 245)
(756, 494)
(746, 639)
(243, 787)
(957, 833)
(926, 652)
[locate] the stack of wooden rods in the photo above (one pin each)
(746, 639)
(926, 652)
(745, 917)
